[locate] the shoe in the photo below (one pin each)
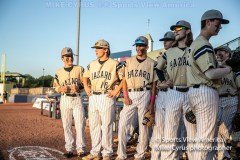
(106, 158)
(226, 158)
(91, 157)
(68, 154)
(119, 158)
(81, 154)
(140, 158)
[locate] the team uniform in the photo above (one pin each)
(71, 106)
(158, 129)
(139, 78)
(103, 76)
(177, 100)
(228, 102)
(203, 96)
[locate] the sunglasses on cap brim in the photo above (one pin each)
(141, 45)
(68, 55)
(178, 29)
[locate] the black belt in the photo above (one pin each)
(72, 95)
(163, 89)
(138, 89)
(227, 95)
(99, 93)
(180, 89)
(198, 85)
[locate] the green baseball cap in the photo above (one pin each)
(181, 23)
(223, 48)
(66, 51)
(168, 36)
(214, 14)
(141, 40)
(101, 44)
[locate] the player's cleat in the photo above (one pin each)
(68, 154)
(140, 158)
(81, 154)
(106, 158)
(91, 157)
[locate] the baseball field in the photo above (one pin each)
(26, 134)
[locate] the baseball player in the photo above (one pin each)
(228, 101)
(162, 87)
(202, 76)
(103, 73)
(68, 82)
(139, 84)
(175, 59)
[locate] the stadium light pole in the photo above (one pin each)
(78, 32)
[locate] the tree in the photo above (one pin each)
(30, 81)
(48, 81)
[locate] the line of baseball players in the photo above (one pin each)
(189, 76)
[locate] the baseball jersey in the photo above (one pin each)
(68, 76)
(164, 72)
(238, 79)
(103, 76)
(139, 74)
(229, 84)
(175, 59)
(201, 58)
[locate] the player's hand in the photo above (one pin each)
(225, 66)
(64, 89)
(169, 83)
(74, 89)
(88, 90)
(112, 93)
(127, 101)
(163, 85)
(238, 106)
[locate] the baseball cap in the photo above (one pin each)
(168, 36)
(181, 23)
(214, 14)
(66, 51)
(101, 44)
(223, 48)
(141, 41)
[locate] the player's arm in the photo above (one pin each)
(56, 84)
(205, 58)
(58, 88)
(120, 68)
(217, 73)
(153, 91)
(116, 90)
(75, 88)
(238, 90)
(85, 80)
(161, 62)
(151, 106)
(126, 99)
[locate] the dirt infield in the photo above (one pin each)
(22, 126)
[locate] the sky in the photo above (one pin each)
(33, 32)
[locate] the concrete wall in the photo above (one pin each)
(24, 95)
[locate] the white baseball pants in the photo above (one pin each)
(140, 102)
(71, 107)
(101, 116)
